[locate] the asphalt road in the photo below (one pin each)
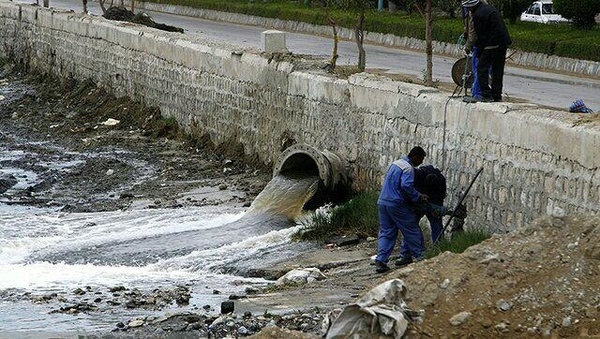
(543, 88)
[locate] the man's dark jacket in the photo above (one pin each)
(430, 180)
(490, 28)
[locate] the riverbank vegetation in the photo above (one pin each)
(559, 40)
(359, 217)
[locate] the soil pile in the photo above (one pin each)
(120, 13)
(539, 280)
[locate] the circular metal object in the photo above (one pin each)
(462, 69)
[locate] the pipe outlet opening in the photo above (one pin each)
(302, 160)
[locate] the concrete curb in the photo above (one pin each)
(525, 59)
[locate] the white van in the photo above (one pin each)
(542, 12)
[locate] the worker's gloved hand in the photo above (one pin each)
(423, 198)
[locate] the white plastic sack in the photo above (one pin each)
(300, 276)
(111, 122)
(380, 313)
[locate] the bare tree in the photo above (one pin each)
(46, 3)
(336, 39)
(428, 43)
(359, 33)
(85, 9)
(102, 6)
(360, 8)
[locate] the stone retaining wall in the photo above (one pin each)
(535, 160)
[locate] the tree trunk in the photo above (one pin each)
(85, 10)
(132, 6)
(428, 47)
(334, 53)
(360, 35)
(336, 40)
(102, 7)
(46, 3)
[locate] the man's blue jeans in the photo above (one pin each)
(475, 88)
(436, 225)
(398, 218)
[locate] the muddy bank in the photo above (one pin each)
(92, 152)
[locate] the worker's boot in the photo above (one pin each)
(381, 267)
(403, 261)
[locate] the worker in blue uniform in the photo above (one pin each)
(395, 205)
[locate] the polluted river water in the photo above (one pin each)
(52, 257)
(206, 248)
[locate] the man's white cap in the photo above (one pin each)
(469, 3)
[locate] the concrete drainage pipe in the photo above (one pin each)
(327, 165)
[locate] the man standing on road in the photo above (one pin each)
(492, 42)
(471, 37)
(395, 205)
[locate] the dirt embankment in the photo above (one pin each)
(538, 281)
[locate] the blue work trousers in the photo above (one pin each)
(399, 218)
(475, 88)
(436, 225)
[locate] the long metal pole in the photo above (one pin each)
(462, 198)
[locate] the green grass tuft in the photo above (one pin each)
(458, 243)
(357, 216)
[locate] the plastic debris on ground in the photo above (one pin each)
(380, 313)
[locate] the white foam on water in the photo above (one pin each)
(230, 253)
(46, 276)
(11, 154)
(25, 233)
(28, 232)
(200, 246)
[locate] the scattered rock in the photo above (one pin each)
(6, 182)
(502, 305)
(79, 291)
(135, 323)
(344, 241)
(227, 307)
(460, 318)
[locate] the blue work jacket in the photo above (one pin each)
(398, 185)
